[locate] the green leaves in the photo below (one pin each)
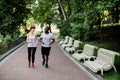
(45, 11)
(84, 14)
(13, 13)
(7, 20)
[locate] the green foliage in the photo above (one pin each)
(13, 13)
(3, 47)
(45, 11)
(1, 38)
(115, 76)
(8, 39)
(84, 15)
(64, 27)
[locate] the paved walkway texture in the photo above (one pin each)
(14, 67)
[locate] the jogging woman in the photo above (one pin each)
(32, 46)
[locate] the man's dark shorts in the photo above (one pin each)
(45, 50)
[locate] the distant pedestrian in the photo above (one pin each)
(46, 40)
(32, 46)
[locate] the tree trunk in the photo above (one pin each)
(116, 12)
(49, 26)
(62, 10)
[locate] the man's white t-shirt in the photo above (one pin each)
(46, 39)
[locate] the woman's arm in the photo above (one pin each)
(27, 39)
(37, 40)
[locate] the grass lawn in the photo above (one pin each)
(111, 75)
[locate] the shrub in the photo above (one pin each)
(8, 39)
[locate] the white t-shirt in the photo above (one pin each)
(46, 39)
(32, 39)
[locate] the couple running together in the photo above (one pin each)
(46, 39)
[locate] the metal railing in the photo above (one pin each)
(16, 42)
(12, 45)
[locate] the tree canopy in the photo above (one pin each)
(13, 14)
(44, 11)
(82, 16)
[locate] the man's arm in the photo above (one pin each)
(52, 41)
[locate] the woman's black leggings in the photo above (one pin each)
(31, 51)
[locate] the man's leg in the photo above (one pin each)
(47, 58)
(43, 57)
(43, 54)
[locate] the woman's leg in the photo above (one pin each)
(33, 54)
(29, 56)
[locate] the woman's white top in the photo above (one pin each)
(32, 38)
(46, 39)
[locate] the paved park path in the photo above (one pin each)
(14, 67)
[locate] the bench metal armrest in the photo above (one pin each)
(102, 69)
(79, 51)
(92, 58)
(111, 65)
(70, 46)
